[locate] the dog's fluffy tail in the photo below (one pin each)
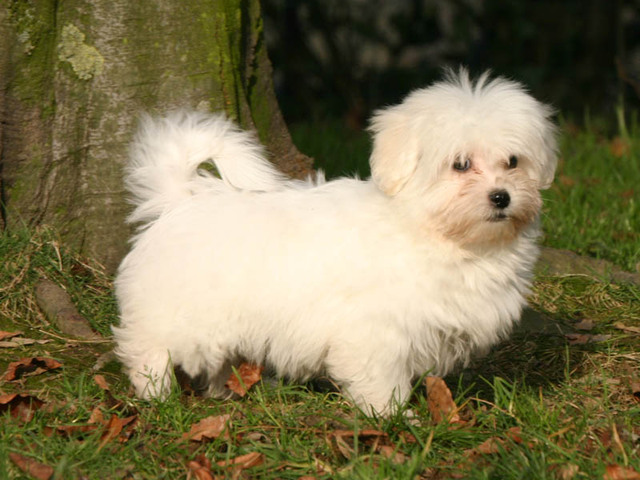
(168, 152)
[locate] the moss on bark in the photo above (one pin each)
(77, 74)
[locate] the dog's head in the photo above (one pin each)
(468, 158)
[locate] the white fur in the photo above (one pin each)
(370, 282)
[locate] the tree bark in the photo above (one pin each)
(76, 75)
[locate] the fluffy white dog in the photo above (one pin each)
(372, 283)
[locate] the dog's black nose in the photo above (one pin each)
(500, 198)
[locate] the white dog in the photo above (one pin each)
(372, 283)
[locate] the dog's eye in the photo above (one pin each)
(513, 161)
(462, 164)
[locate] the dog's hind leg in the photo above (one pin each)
(151, 374)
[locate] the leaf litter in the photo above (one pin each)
(209, 428)
(244, 377)
(20, 406)
(28, 465)
(440, 401)
(29, 367)
(5, 335)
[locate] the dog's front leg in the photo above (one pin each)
(377, 380)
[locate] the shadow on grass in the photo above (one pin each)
(536, 354)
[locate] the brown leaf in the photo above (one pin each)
(208, 428)
(114, 427)
(29, 366)
(495, 444)
(201, 468)
(363, 435)
(391, 453)
(619, 147)
(343, 446)
(244, 378)
(97, 417)
(584, 338)
(616, 472)
(407, 437)
(70, 429)
(4, 335)
(440, 401)
(101, 382)
(249, 460)
(375, 439)
(31, 467)
(585, 325)
(111, 428)
(628, 194)
(21, 342)
(567, 472)
(514, 434)
(489, 446)
(566, 181)
(604, 437)
(626, 328)
(21, 406)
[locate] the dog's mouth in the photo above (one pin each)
(498, 217)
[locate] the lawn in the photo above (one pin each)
(559, 399)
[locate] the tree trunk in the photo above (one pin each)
(75, 76)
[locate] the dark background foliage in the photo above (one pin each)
(342, 58)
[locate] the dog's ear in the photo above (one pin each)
(395, 151)
(548, 155)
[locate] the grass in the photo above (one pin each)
(539, 406)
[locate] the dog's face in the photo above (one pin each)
(466, 160)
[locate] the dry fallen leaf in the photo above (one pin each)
(584, 338)
(619, 147)
(616, 472)
(440, 401)
(566, 181)
(20, 406)
(201, 468)
(97, 417)
(495, 444)
(101, 382)
(111, 429)
(567, 472)
(391, 453)
(208, 428)
(4, 335)
(364, 435)
(69, 430)
(626, 328)
(489, 446)
(22, 342)
(377, 440)
(29, 366)
(249, 460)
(343, 446)
(585, 325)
(244, 378)
(30, 466)
(114, 427)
